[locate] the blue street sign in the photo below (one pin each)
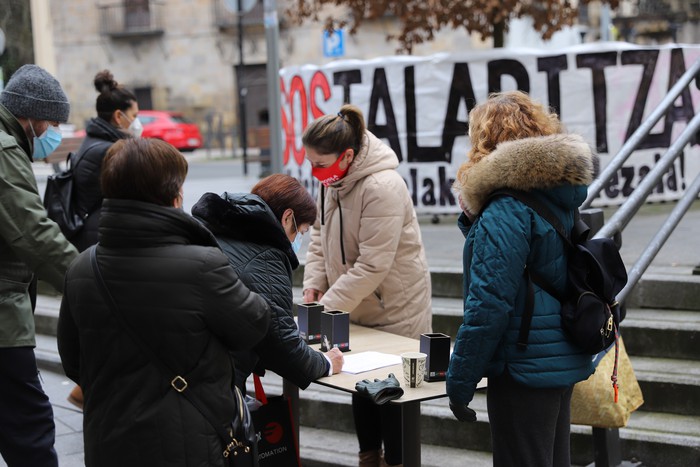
(333, 44)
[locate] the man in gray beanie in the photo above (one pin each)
(31, 107)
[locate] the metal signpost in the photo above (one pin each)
(240, 7)
(273, 84)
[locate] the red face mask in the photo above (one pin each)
(330, 175)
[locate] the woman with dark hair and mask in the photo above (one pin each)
(117, 119)
(366, 255)
(261, 234)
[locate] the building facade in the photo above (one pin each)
(200, 57)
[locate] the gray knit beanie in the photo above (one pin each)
(33, 93)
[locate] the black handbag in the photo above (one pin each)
(277, 444)
(239, 438)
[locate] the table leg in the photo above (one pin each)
(410, 433)
(291, 391)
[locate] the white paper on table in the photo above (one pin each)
(367, 361)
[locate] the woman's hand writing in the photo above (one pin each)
(337, 360)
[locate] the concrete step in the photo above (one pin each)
(651, 437)
(668, 385)
(46, 314)
(667, 291)
(666, 333)
(331, 448)
(46, 353)
(654, 437)
(649, 334)
(327, 431)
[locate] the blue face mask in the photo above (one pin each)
(296, 244)
(46, 143)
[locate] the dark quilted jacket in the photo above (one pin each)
(88, 163)
(176, 290)
(260, 252)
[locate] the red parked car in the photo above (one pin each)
(171, 127)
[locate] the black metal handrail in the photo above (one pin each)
(607, 440)
(619, 220)
(641, 133)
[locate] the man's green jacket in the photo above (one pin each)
(30, 243)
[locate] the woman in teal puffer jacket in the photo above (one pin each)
(518, 144)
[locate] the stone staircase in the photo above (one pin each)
(662, 336)
(661, 333)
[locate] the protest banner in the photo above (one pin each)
(419, 106)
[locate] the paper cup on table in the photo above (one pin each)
(413, 368)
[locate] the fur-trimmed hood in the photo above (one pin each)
(244, 217)
(543, 163)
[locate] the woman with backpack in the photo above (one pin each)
(117, 118)
(517, 144)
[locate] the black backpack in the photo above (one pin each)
(58, 200)
(590, 314)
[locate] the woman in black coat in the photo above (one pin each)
(177, 293)
(117, 118)
(261, 233)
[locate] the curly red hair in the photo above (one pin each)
(507, 116)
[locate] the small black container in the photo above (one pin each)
(335, 325)
(309, 321)
(437, 347)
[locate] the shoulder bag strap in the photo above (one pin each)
(73, 158)
(539, 207)
(178, 383)
(532, 276)
(259, 391)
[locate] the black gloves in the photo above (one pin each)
(380, 391)
(462, 412)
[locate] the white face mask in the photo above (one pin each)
(135, 127)
(296, 244)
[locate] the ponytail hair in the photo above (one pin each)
(333, 134)
(112, 96)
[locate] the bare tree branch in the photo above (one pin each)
(420, 20)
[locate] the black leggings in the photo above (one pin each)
(530, 427)
(376, 423)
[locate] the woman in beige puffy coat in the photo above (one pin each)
(366, 255)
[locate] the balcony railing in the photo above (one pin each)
(132, 18)
(227, 20)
